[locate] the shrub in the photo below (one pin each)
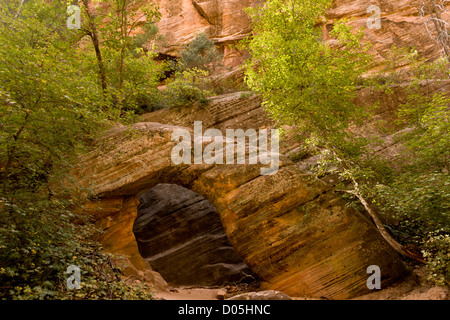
(187, 87)
(200, 54)
(245, 95)
(436, 251)
(39, 239)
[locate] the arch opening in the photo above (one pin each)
(179, 233)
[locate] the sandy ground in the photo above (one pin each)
(413, 287)
(188, 294)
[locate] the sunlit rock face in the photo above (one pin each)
(295, 233)
(226, 22)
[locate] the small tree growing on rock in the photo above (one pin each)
(201, 54)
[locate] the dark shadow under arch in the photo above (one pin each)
(179, 233)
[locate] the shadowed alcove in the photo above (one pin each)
(179, 233)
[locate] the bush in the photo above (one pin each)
(200, 54)
(436, 251)
(39, 239)
(417, 197)
(421, 203)
(150, 101)
(187, 87)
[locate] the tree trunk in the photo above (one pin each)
(93, 33)
(392, 242)
(11, 150)
(124, 35)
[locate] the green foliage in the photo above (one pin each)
(418, 196)
(245, 95)
(309, 84)
(184, 89)
(48, 102)
(129, 70)
(150, 100)
(148, 33)
(39, 240)
(428, 115)
(139, 79)
(50, 109)
(299, 155)
(420, 202)
(187, 87)
(200, 54)
(437, 252)
(303, 80)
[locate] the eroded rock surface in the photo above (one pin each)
(180, 235)
(295, 233)
(226, 22)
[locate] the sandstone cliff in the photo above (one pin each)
(225, 22)
(295, 233)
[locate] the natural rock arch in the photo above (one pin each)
(179, 233)
(295, 233)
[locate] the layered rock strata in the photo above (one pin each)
(226, 22)
(178, 232)
(295, 233)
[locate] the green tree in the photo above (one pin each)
(49, 112)
(48, 100)
(117, 30)
(200, 54)
(188, 86)
(309, 84)
(304, 81)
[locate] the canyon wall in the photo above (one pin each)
(294, 232)
(225, 22)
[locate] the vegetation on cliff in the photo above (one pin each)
(309, 84)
